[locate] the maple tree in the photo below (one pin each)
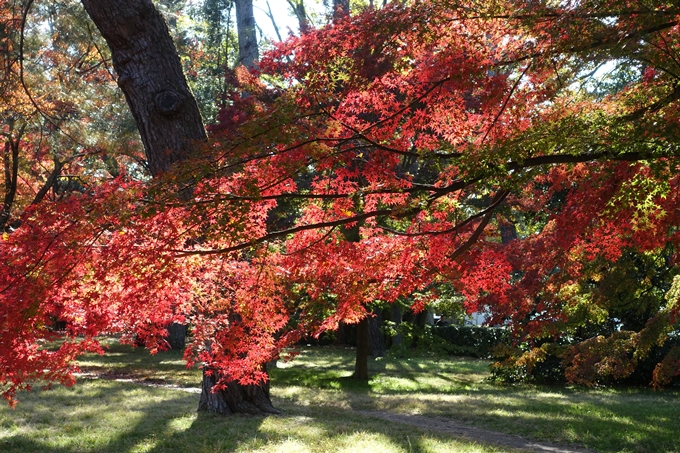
(423, 132)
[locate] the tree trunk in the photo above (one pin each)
(361, 364)
(247, 33)
(508, 231)
(341, 334)
(376, 339)
(177, 336)
(396, 314)
(421, 319)
(150, 75)
(370, 342)
(10, 160)
(235, 398)
(340, 8)
(169, 122)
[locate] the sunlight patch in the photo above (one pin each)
(144, 446)
(179, 425)
(288, 446)
(364, 442)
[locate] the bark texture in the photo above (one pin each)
(10, 160)
(177, 336)
(247, 33)
(395, 315)
(235, 398)
(150, 75)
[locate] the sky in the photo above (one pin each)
(282, 16)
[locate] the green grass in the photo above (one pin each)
(320, 405)
(606, 420)
(126, 361)
(109, 416)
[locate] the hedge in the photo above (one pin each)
(473, 341)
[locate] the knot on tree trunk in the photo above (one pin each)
(168, 102)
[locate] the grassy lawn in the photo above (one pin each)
(321, 409)
(605, 420)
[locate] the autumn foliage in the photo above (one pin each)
(516, 151)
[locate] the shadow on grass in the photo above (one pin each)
(106, 416)
(96, 415)
(607, 422)
(302, 430)
(614, 420)
(127, 361)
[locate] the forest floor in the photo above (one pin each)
(414, 402)
(439, 425)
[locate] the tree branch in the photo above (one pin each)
(480, 228)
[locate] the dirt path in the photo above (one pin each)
(448, 426)
(435, 424)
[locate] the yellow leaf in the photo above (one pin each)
(5, 236)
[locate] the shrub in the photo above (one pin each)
(472, 341)
(546, 364)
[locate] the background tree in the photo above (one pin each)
(247, 33)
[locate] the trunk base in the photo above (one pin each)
(235, 398)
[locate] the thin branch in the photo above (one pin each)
(408, 106)
(598, 43)
(22, 80)
(283, 233)
(49, 183)
(22, 32)
(271, 17)
(479, 230)
(494, 204)
(309, 246)
(560, 15)
(655, 107)
(505, 102)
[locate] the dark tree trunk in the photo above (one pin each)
(361, 364)
(341, 334)
(177, 336)
(150, 75)
(235, 398)
(340, 8)
(10, 160)
(396, 314)
(421, 319)
(376, 339)
(508, 231)
(247, 33)
(370, 342)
